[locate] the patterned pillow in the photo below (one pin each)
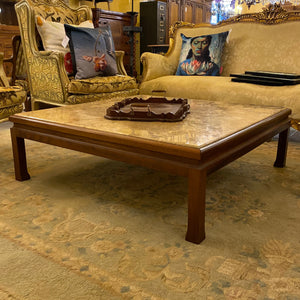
(201, 55)
(93, 51)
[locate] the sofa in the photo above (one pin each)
(265, 41)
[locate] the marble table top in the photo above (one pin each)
(207, 122)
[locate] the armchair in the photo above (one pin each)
(19, 73)
(11, 97)
(48, 80)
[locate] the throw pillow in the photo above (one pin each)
(92, 50)
(201, 55)
(53, 33)
(68, 63)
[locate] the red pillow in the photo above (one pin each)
(68, 63)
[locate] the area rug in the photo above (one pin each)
(84, 227)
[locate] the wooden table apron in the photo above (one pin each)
(193, 163)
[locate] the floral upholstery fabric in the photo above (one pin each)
(76, 99)
(57, 13)
(23, 84)
(11, 100)
(97, 85)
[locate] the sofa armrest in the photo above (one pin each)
(120, 62)
(295, 123)
(156, 65)
(49, 79)
(3, 78)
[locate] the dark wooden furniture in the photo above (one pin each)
(117, 21)
(7, 32)
(206, 140)
(163, 14)
(8, 28)
(98, 1)
(191, 11)
(7, 12)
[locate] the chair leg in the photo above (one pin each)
(27, 103)
(34, 105)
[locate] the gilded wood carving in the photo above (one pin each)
(272, 14)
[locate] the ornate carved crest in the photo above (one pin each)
(272, 14)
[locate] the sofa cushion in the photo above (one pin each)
(77, 99)
(221, 88)
(100, 84)
(93, 50)
(201, 55)
(11, 96)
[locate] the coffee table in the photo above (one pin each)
(211, 136)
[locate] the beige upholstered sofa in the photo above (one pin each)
(267, 41)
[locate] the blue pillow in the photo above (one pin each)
(201, 55)
(92, 51)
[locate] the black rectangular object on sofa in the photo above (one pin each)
(264, 80)
(274, 74)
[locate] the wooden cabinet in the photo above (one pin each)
(187, 11)
(7, 12)
(6, 34)
(191, 11)
(174, 11)
(8, 28)
(195, 11)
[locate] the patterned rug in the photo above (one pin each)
(84, 227)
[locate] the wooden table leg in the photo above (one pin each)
(196, 206)
(18, 146)
(282, 149)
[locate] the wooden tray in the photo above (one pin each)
(150, 109)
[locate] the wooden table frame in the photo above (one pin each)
(193, 163)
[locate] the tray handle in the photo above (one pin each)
(133, 105)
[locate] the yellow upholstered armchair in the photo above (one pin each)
(48, 79)
(11, 97)
(19, 72)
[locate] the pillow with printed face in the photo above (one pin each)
(201, 55)
(92, 50)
